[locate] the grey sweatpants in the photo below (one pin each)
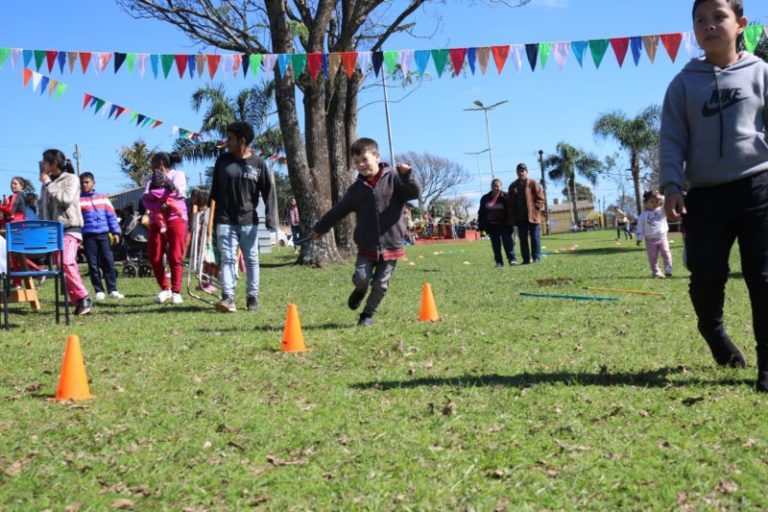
(377, 274)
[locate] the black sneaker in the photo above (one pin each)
(84, 307)
(226, 305)
(355, 298)
(252, 303)
(365, 320)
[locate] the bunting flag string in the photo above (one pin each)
(389, 62)
(44, 83)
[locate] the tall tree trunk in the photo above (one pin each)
(636, 181)
(572, 199)
(338, 148)
(312, 197)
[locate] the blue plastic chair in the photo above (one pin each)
(36, 238)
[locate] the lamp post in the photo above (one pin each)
(485, 109)
(544, 190)
(479, 176)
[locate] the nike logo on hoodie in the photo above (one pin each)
(725, 99)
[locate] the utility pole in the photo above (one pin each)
(485, 109)
(544, 189)
(77, 159)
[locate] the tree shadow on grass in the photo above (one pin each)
(644, 379)
(273, 328)
(291, 263)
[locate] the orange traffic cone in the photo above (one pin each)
(428, 308)
(73, 383)
(293, 339)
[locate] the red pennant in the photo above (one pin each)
(27, 76)
(86, 100)
(51, 56)
(457, 58)
(157, 123)
(237, 62)
(671, 43)
(500, 54)
(213, 64)
(181, 64)
(119, 111)
(349, 60)
(315, 64)
(620, 46)
(85, 59)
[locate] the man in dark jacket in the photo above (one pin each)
(526, 200)
(377, 197)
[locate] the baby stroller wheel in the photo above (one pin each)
(130, 270)
(145, 271)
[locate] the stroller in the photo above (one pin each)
(134, 245)
(203, 268)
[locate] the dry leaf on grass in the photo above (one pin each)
(122, 504)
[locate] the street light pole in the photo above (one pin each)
(544, 190)
(485, 109)
(479, 175)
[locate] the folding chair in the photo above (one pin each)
(36, 237)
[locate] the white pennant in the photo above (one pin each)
(364, 61)
(691, 46)
(227, 61)
(175, 130)
(561, 52)
(105, 109)
(15, 54)
(268, 62)
(405, 60)
(142, 63)
(36, 77)
(516, 55)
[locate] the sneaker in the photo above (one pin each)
(355, 298)
(176, 298)
(658, 274)
(668, 272)
(226, 305)
(252, 303)
(100, 296)
(365, 320)
(116, 295)
(163, 297)
(513, 263)
(499, 265)
(84, 307)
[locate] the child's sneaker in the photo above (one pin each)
(365, 320)
(251, 303)
(226, 305)
(84, 307)
(163, 297)
(115, 295)
(658, 274)
(100, 296)
(176, 298)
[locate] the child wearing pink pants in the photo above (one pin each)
(652, 227)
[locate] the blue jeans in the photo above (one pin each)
(524, 230)
(502, 235)
(295, 234)
(229, 238)
(98, 253)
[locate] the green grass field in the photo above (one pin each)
(506, 403)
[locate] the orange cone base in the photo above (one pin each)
(73, 382)
(428, 311)
(293, 339)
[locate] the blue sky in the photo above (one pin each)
(544, 107)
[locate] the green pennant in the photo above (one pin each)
(752, 35)
(60, 89)
(545, 50)
(167, 64)
(439, 58)
(99, 104)
(4, 53)
(130, 62)
(598, 48)
(255, 62)
(133, 117)
(39, 58)
(299, 62)
(390, 60)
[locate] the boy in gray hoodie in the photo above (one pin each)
(714, 143)
(377, 197)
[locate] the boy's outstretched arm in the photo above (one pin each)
(332, 216)
(409, 188)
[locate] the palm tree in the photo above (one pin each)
(633, 135)
(134, 161)
(249, 105)
(565, 164)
